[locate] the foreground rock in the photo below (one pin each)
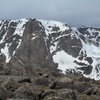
(45, 84)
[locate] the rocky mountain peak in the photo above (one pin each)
(36, 43)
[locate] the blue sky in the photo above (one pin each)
(72, 12)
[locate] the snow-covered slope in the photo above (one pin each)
(52, 44)
(5, 27)
(90, 39)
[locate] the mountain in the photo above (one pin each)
(36, 43)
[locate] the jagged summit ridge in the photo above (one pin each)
(50, 44)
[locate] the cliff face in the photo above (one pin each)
(34, 43)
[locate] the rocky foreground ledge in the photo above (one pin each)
(45, 84)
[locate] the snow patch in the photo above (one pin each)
(19, 31)
(48, 25)
(5, 51)
(53, 47)
(94, 52)
(64, 61)
(2, 40)
(20, 27)
(34, 36)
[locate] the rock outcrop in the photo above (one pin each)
(46, 84)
